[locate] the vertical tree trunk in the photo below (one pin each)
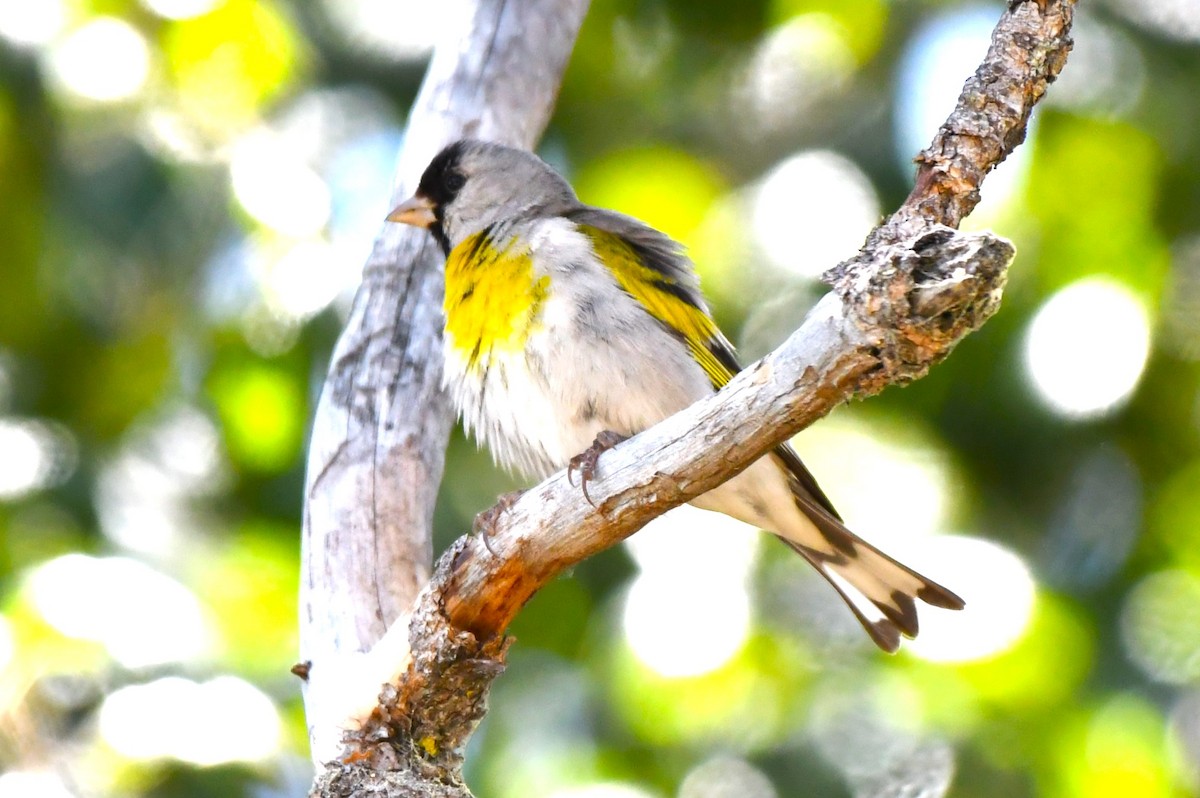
(381, 426)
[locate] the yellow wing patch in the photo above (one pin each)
(492, 300)
(658, 293)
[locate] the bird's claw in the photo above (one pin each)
(485, 522)
(586, 461)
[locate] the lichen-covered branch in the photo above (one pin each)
(1028, 49)
(898, 307)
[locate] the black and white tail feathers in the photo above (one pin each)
(863, 575)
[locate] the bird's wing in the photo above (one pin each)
(652, 268)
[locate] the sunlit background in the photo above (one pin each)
(190, 188)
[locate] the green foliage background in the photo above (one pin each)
(164, 331)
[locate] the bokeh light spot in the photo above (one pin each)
(1086, 347)
(32, 784)
(142, 617)
(688, 611)
(819, 198)
(181, 9)
(994, 582)
(1181, 311)
(863, 23)
(36, 455)
(1120, 753)
(707, 541)
(870, 466)
(1185, 735)
(105, 60)
(32, 23)
(225, 66)
(726, 777)
(1160, 626)
(7, 646)
(225, 719)
(751, 703)
(1174, 518)
(685, 627)
(870, 735)
(278, 188)
(605, 790)
(936, 60)
(1178, 19)
(262, 412)
(1098, 518)
(145, 494)
(1106, 73)
(802, 62)
(402, 31)
(304, 279)
(925, 772)
(1059, 641)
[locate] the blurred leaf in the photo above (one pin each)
(864, 22)
(1174, 517)
(44, 650)
(1095, 186)
(555, 618)
(24, 316)
(751, 702)
(228, 63)
(118, 380)
(1058, 642)
(251, 585)
(1114, 751)
(262, 413)
(37, 532)
(666, 188)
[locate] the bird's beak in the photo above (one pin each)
(417, 211)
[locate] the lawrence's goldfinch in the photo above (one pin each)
(565, 322)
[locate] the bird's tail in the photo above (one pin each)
(880, 591)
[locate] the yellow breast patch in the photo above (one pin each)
(492, 300)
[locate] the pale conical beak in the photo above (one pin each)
(417, 211)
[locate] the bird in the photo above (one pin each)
(569, 328)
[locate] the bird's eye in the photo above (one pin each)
(455, 181)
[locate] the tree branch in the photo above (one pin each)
(898, 307)
(1028, 49)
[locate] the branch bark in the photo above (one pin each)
(898, 307)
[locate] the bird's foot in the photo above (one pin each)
(485, 522)
(586, 461)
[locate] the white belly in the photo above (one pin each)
(536, 409)
(510, 410)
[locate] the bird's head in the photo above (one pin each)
(471, 184)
